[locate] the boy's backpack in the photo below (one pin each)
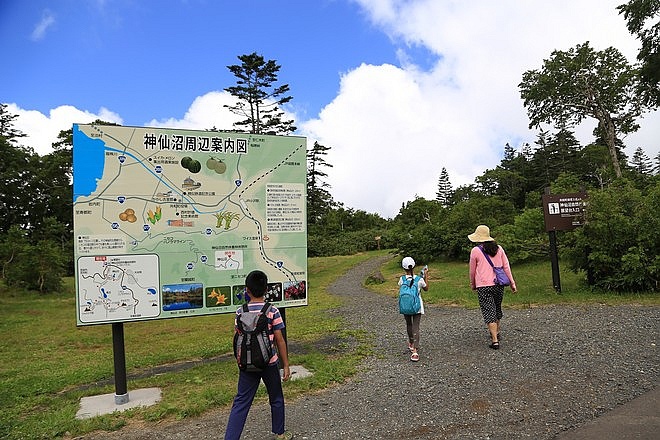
(252, 347)
(409, 303)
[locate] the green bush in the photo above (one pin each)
(346, 242)
(37, 267)
(618, 245)
(525, 239)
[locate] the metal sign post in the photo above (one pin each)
(119, 354)
(554, 261)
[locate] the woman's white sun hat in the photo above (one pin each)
(481, 234)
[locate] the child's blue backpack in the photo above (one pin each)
(409, 303)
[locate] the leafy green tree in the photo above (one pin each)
(463, 193)
(259, 98)
(581, 83)
(525, 239)
(643, 21)
(17, 180)
(36, 197)
(468, 214)
(38, 266)
(7, 129)
(567, 183)
(12, 246)
(596, 170)
(417, 229)
(509, 185)
(341, 219)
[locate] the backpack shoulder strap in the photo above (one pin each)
(416, 283)
(246, 308)
(265, 308)
(487, 257)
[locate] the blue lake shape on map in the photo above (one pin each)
(88, 161)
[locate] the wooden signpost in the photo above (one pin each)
(561, 212)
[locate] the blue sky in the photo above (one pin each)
(432, 83)
(147, 59)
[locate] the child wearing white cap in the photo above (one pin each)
(412, 321)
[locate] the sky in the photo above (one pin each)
(398, 89)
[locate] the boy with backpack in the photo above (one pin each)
(257, 325)
(411, 305)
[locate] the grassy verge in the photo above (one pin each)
(48, 363)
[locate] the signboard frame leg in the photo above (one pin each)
(554, 259)
(119, 355)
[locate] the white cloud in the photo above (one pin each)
(204, 113)
(46, 22)
(42, 130)
(391, 130)
(207, 111)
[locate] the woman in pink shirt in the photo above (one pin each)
(482, 279)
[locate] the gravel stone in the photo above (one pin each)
(558, 367)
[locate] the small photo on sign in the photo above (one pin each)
(274, 292)
(218, 296)
(240, 295)
(295, 290)
(183, 296)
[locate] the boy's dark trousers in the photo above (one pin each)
(248, 383)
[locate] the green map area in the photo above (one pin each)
(169, 222)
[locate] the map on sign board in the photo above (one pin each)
(168, 223)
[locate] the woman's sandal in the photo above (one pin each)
(494, 345)
(414, 357)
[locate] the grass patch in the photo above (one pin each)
(48, 363)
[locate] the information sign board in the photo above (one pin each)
(563, 212)
(168, 223)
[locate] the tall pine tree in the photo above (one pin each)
(319, 200)
(445, 193)
(259, 98)
(640, 162)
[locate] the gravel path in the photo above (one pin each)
(558, 367)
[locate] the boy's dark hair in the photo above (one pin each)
(257, 283)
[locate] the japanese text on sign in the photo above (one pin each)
(563, 212)
(177, 142)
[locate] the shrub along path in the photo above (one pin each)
(559, 367)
